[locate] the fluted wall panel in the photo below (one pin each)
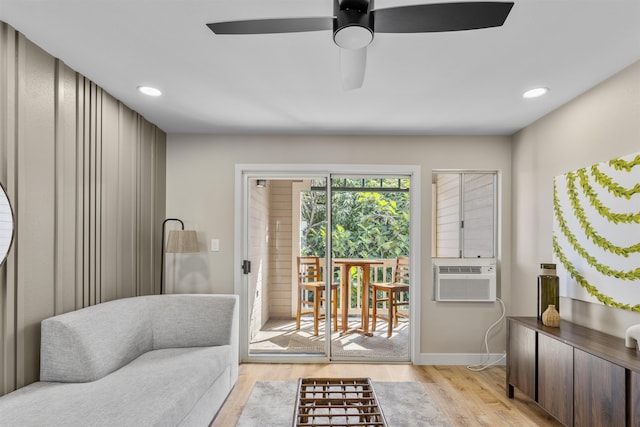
(86, 178)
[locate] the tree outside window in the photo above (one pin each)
(370, 219)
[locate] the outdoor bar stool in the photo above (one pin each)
(391, 295)
(311, 289)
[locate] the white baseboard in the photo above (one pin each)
(465, 359)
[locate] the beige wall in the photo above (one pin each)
(85, 175)
(602, 124)
(200, 189)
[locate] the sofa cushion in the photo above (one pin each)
(157, 389)
(87, 344)
(191, 320)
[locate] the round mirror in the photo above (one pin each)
(6, 225)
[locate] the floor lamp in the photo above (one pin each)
(180, 241)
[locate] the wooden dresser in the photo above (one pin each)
(580, 376)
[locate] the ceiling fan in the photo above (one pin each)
(356, 21)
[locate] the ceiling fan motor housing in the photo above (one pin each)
(353, 24)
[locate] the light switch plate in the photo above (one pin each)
(215, 245)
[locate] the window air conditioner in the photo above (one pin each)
(464, 280)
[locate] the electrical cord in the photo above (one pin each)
(483, 365)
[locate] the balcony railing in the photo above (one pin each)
(378, 274)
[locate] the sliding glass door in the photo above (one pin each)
(290, 219)
(283, 319)
(371, 217)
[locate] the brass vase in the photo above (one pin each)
(548, 288)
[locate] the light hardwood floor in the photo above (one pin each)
(467, 398)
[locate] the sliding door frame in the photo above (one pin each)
(245, 172)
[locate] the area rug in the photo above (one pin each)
(404, 404)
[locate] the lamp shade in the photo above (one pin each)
(182, 241)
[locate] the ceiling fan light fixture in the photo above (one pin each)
(354, 23)
(535, 93)
(149, 91)
(353, 37)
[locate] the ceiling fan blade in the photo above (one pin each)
(272, 26)
(438, 17)
(352, 65)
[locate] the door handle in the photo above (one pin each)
(246, 266)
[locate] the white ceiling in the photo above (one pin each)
(467, 82)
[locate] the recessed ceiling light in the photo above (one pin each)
(150, 91)
(534, 93)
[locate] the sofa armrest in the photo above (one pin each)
(182, 320)
(235, 340)
(188, 320)
(87, 344)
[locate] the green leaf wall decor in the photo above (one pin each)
(596, 241)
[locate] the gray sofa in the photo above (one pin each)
(162, 360)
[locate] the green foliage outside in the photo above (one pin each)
(366, 224)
